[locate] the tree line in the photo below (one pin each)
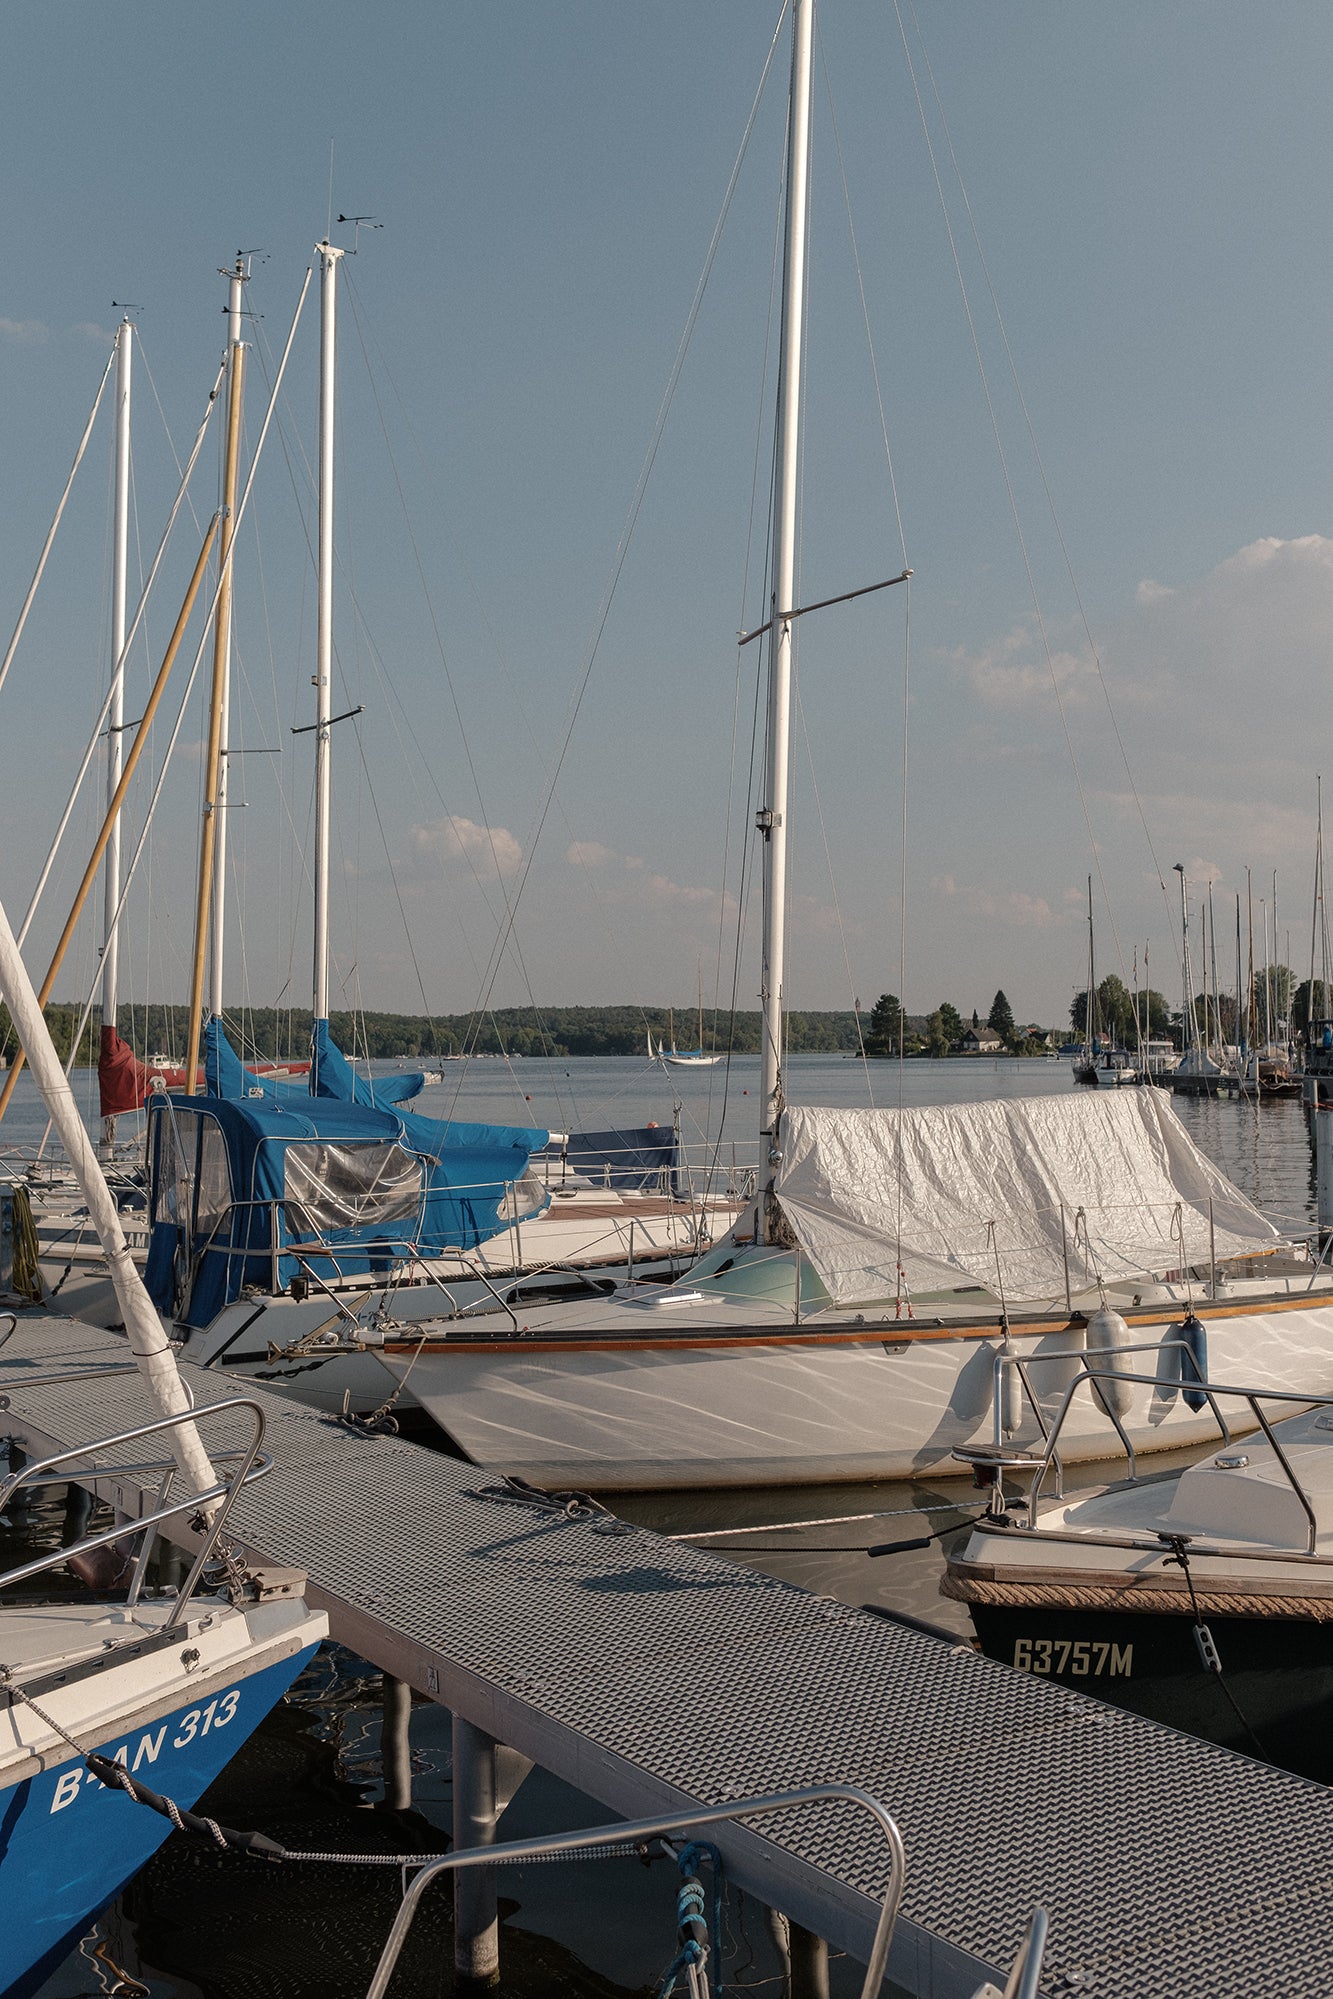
(890, 1030)
(1276, 1007)
(273, 1034)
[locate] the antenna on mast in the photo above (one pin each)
(359, 222)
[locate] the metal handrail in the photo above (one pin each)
(630, 1833)
(1022, 1362)
(1025, 1977)
(1211, 1389)
(252, 1464)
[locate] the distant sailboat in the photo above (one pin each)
(683, 1058)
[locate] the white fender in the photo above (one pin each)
(1107, 1334)
(1011, 1392)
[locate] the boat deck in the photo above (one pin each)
(652, 1675)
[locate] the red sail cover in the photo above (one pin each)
(125, 1083)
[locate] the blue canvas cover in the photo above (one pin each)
(634, 1161)
(331, 1074)
(256, 1190)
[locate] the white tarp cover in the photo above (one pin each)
(948, 1189)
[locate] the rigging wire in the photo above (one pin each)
(1041, 469)
(198, 657)
(1038, 612)
(105, 708)
(47, 545)
(631, 521)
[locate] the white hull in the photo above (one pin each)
(753, 1413)
(608, 1236)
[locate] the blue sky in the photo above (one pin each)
(1149, 185)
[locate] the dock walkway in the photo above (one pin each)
(652, 1675)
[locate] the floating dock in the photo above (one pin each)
(653, 1676)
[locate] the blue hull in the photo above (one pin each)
(68, 1845)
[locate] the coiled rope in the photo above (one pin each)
(27, 1270)
(699, 1937)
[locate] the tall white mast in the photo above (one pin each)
(1188, 1035)
(143, 1328)
(116, 714)
(328, 304)
(772, 816)
(237, 279)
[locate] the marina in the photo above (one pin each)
(649, 1674)
(684, 1496)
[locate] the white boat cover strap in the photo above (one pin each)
(1004, 1192)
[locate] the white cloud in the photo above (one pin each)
(660, 888)
(492, 850)
(23, 332)
(589, 854)
(1014, 907)
(1014, 673)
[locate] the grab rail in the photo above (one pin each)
(631, 1833)
(1211, 1389)
(1020, 1362)
(252, 1463)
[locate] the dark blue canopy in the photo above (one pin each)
(633, 1160)
(331, 1074)
(253, 1191)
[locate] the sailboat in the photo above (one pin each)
(684, 1058)
(902, 1282)
(284, 1223)
(1102, 1064)
(101, 1696)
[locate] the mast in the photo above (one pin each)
(1251, 1010)
(1212, 962)
(1090, 1010)
(237, 279)
(213, 759)
(144, 1330)
(120, 537)
(771, 818)
(328, 341)
(1187, 1038)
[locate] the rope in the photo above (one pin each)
(699, 1937)
(515, 1491)
(1209, 1657)
(847, 1547)
(1162, 1602)
(27, 1274)
(259, 1846)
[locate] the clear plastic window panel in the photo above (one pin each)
(215, 1196)
(175, 1177)
(523, 1197)
(330, 1188)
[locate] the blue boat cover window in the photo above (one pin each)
(240, 1190)
(331, 1187)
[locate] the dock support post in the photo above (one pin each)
(486, 1776)
(1323, 1156)
(803, 1956)
(396, 1744)
(809, 1964)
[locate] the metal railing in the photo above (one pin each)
(1020, 1363)
(629, 1836)
(78, 1463)
(1091, 1376)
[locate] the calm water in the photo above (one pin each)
(201, 1927)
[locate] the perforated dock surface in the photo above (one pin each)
(652, 1675)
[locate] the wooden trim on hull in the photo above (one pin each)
(897, 1331)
